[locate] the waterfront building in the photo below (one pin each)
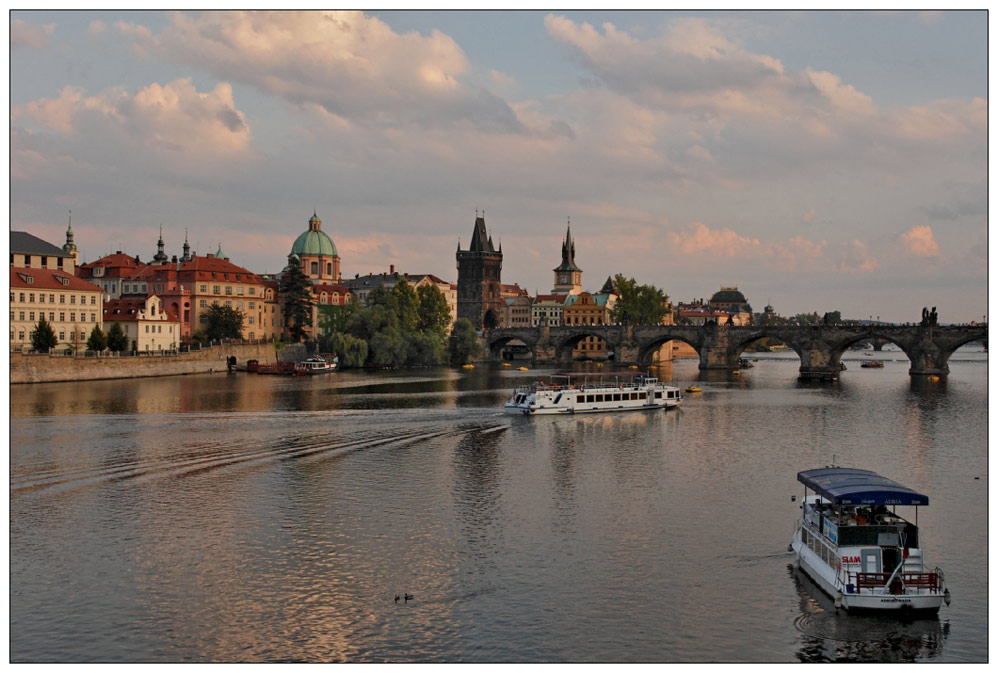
(730, 300)
(43, 282)
(109, 272)
(27, 251)
(479, 271)
(71, 305)
(148, 326)
(362, 286)
(586, 308)
(567, 275)
(547, 309)
(518, 311)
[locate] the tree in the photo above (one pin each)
(387, 348)
(97, 341)
(43, 336)
(426, 349)
(117, 340)
(464, 344)
(637, 304)
(223, 322)
(408, 305)
(296, 291)
(432, 314)
(351, 351)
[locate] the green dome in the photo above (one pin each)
(314, 243)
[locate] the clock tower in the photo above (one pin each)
(567, 277)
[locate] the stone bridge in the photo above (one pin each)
(820, 347)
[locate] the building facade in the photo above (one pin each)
(588, 309)
(148, 326)
(479, 271)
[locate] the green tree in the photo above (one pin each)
(296, 291)
(408, 306)
(464, 345)
(426, 349)
(832, 317)
(223, 322)
(351, 351)
(117, 340)
(432, 314)
(367, 321)
(43, 336)
(387, 348)
(97, 341)
(638, 304)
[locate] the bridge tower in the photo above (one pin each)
(478, 272)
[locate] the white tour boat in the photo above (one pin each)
(866, 557)
(315, 365)
(573, 393)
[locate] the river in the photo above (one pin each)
(235, 517)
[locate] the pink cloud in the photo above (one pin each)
(920, 242)
(24, 34)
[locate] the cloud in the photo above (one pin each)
(919, 241)
(352, 65)
(166, 127)
(808, 217)
(853, 256)
(24, 34)
(96, 29)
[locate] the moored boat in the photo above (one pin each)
(315, 365)
(573, 393)
(872, 364)
(866, 557)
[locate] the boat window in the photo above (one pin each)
(658, 395)
(558, 399)
(862, 536)
(616, 397)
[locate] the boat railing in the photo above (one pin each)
(915, 580)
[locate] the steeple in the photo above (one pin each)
(568, 252)
(70, 246)
(187, 248)
(480, 239)
(160, 255)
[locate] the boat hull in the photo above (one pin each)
(810, 564)
(526, 410)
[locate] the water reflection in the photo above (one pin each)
(831, 635)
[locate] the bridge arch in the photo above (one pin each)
(739, 346)
(497, 343)
(647, 349)
(565, 345)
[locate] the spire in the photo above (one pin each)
(187, 248)
(70, 246)
(568, 251)
(160, 255)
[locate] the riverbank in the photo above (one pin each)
(45, 368)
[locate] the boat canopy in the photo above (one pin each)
(848, 486)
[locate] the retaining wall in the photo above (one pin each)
(44, 368)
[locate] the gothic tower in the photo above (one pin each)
(478, 271)
(567, 277)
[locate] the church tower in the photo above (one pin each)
(70, 246)
(478, 279)
(160, 256)
(567, 277)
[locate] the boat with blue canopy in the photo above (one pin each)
(852, 542)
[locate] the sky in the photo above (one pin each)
(818, 161)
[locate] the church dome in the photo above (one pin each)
(728, 295)
(314, 241)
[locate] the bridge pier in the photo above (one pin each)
(927, 358)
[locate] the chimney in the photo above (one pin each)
(391, 269)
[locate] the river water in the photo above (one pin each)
(232, 518)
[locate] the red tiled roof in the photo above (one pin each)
(49, 280)
(327, 287)
(115, 265)
(560, 298)
(128, 310)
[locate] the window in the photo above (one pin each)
(251, 305)
(41, 298)
(45, 262)
(22, 297)
(72, 317)
(93, 317)
(239, 304)
(251, 320)
(228, 289)
(329, 269)
(51, 317)
(62, 335)
(204, 288)
(31, 316)
(252, 290)
(204, 303)
(147, 329)
(21, 316)
(93, 300)
(315, 268)
(72, 299)
(62, 317)
(20, 336)
(51, 298)
(216, 290)
(31, 297)
(201, 318)
(62, 299)
(228, 302)
(239, 290)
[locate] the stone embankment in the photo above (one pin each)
(44, 368)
